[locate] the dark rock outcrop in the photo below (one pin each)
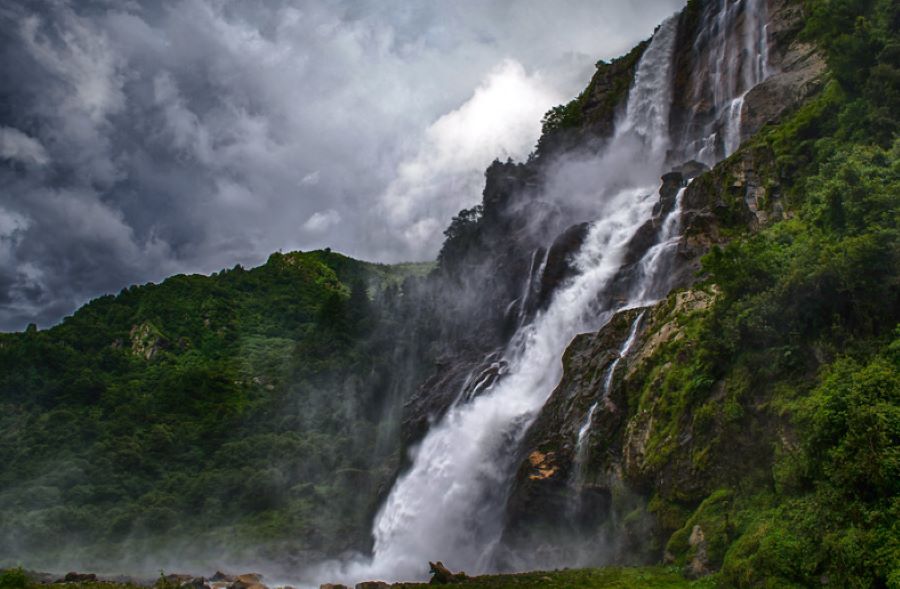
(441, 575)
(74, 577)
(560, 266)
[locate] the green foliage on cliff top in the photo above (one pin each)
(242, 408)
(616, 77)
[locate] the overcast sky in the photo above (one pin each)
(143, 139)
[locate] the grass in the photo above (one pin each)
(606, 578)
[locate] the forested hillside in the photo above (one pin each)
(244, 410)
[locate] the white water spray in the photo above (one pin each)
(449, 504)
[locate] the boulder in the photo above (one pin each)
(248, 581)
(74, 577)
(699, 565)
(372, 585)
(691, 169)
(441, 575)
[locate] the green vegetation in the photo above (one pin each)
(598, 102)
(247, 408)
(13, 579)
(256, 408)
(787, 385)
(606, 578)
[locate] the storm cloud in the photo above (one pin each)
(142, 139)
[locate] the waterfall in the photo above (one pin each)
(731, 57)
(449, 504)
(655, 264)
(649, 102)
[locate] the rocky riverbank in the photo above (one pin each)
(607, 578)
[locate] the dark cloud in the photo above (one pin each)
(142, 139)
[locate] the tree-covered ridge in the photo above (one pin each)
(235, 409)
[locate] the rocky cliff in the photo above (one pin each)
(637, 456)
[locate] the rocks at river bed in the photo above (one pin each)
(248, 581)
(441, 575)
(80, 578)
(219, 580)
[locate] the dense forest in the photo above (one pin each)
(243, 409)
(807, 324)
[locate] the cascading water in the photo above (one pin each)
(731, 54)
(649, 101)
(449, 504)
(654, 269)
(655, 264)
(585, 429)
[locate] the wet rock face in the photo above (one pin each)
(560, 262)
(798, 70)
(803, 75)
(569, 494)
(691, 169)
(461, 376)
(742, 193)
(795, 71)
(560, 499)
